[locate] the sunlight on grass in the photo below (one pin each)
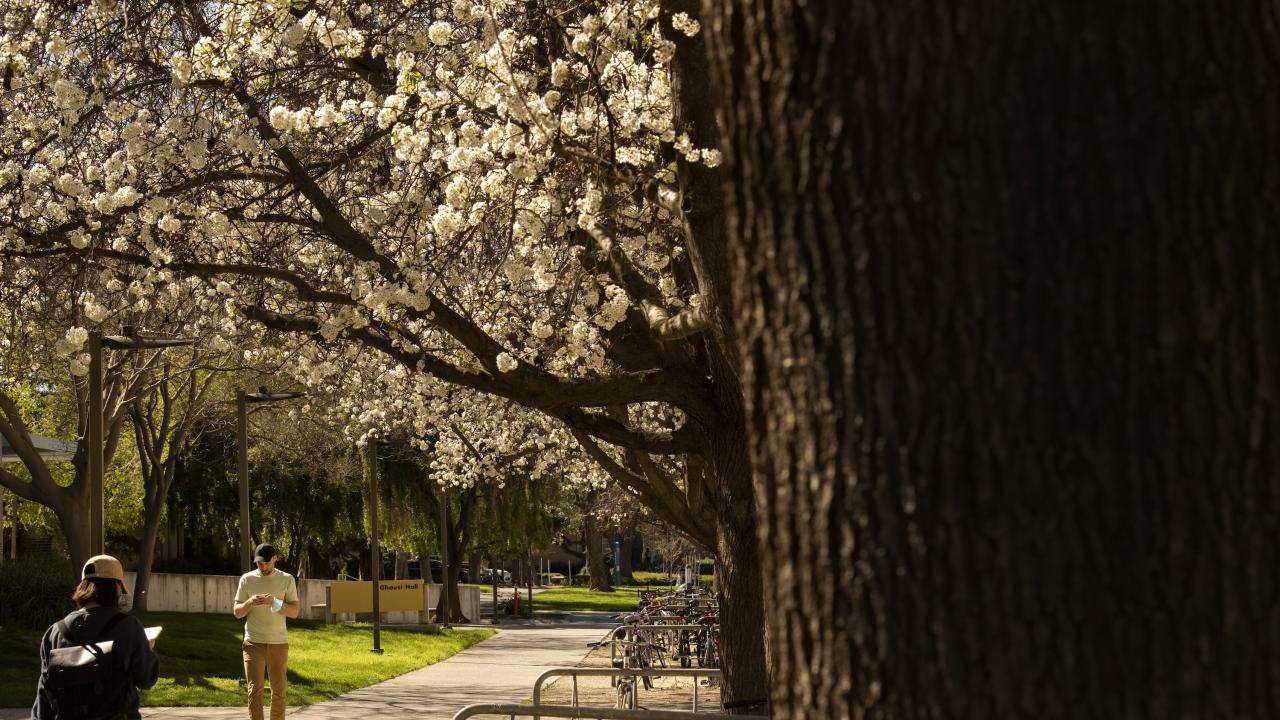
(200, 659)
(565, 599)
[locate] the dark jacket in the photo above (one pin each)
(130, 649)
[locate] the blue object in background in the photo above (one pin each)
(617, 562)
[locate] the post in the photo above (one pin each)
(493, 575)
(570, 573)
(97, 498)
(529, 584)
(447, 607)
(1, 513)
(375, 569)
(242, 470)
(617, 562)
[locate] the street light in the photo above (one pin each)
(131, 340)
(242, 441)
(375, 569)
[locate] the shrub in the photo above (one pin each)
(35, 592)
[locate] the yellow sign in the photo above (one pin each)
(393, 596)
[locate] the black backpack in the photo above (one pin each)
(83, 680)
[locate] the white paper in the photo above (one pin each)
(153, 632)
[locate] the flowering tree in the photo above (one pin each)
(515, 198)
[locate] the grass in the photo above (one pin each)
(564, 599)
(626, 598)
(200, 661)
(661, 578)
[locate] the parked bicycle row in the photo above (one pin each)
(679, 628)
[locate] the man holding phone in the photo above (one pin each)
(265, 597)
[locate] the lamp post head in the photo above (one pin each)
(262, 396)
(132, 340)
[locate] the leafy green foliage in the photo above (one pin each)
(34, 592)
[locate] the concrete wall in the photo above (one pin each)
(216, 594)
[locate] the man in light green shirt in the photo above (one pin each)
(266, 597)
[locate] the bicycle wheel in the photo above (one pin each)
(626, 695)
(710, 657)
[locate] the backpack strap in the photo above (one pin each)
(64, 629)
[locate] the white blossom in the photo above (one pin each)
(685, 24)
(506, 363)
(440, 32)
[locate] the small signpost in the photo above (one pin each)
(356, 596)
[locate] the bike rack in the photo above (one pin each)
(614, 639)
(576, 672)
(593, 713)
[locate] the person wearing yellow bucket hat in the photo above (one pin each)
(97, 621)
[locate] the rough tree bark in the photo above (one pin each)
(1005, 286)
(743, 640)
(458, 535)
(624, 560)
(597, 574)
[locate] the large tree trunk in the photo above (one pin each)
(456, 549)
(318, 564)
(1005, 290)
(597, 574)
(147, 551)
(71, 511)
(625, 564)
(741, 595)
(746, 678)
(69, 503)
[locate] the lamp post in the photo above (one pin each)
(375, 569)
(131, 340)
(242, 442)
(445, 617)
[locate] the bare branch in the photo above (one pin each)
(670, 506)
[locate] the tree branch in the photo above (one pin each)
(670, 506)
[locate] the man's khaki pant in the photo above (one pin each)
(272, 658)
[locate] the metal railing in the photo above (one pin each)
(513, 710)
(576, 672)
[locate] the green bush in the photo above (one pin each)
(35, 592)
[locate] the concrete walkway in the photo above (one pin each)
(500, 669)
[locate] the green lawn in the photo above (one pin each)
(661, 578)
(563, 599)
(200, 659)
